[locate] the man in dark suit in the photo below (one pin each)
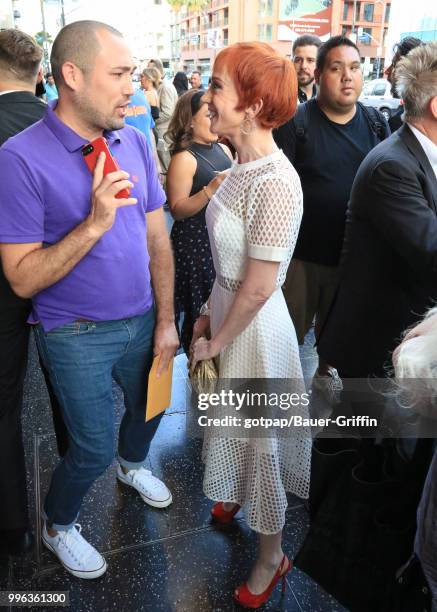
(388, 279)
(389, 259)
(20, 58)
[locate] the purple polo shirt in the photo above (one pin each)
(46, 193)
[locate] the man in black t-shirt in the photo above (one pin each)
(326, 142)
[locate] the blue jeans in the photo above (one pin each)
(82, 359)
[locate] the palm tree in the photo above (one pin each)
(43, 37)
(192, 5)
(175, 5)
(196, 5)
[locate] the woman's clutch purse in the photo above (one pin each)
(203, 376)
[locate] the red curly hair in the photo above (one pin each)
(259, 72)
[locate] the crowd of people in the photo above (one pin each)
(293, 204)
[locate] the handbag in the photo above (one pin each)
(203, 377)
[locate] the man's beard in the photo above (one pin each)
(305, 81)
(94, 117)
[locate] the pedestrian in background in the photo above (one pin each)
(180, 82)
(401, 49)
(167, 97)
(150, 80)
(196, 80)
(194, 175)
(20, 59)
(304, 58)
(51, 91)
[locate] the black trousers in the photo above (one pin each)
(364, 494)
(14, 344)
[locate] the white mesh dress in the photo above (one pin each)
(256, 213)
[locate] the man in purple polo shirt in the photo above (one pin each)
(88, 261)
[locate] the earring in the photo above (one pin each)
(247, 126)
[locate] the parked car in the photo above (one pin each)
(377, 93)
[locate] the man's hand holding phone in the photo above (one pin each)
(104, 202)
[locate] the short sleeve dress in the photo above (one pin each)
(256, 212)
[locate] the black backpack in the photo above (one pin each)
(376, 121)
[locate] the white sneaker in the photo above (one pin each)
(152, 490)
(330, 386)
(75, 553)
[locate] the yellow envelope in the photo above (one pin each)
(159, 390)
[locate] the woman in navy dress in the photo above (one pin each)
(196, 171)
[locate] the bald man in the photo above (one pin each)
(89, 261)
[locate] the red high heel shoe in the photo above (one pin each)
(248, 600)
(223, 516)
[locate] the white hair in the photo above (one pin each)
(416, 370)
(416, 79)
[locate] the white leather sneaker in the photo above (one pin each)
(152, 490)
(75, 553)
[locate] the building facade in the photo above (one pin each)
(366, 23)
(197, 36)
(7, 8)
(144, 23)
(148, 31)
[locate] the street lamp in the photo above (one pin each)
(62, 14)
(379, 42)
(44, 42)
(366, 36)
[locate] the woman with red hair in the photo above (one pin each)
(253, 221)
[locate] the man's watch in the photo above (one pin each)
(205, 310)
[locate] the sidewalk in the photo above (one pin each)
(169, 560)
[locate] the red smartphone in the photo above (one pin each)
(90, 153)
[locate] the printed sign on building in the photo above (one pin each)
(298, 17)
(214, 38)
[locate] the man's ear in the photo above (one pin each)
(433, 107)
(73, 76)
